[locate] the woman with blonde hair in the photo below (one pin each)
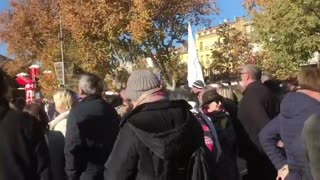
(64, 100)
(227, 93)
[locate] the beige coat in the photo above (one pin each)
(60, 123)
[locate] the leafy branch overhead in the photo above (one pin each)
(289, 31)
(232, 50)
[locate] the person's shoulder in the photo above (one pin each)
(18, 116)
(18, 120)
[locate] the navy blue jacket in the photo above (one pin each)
(295, 109)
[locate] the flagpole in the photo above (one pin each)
(194, 67)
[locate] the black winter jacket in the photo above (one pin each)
(156, 141)
(227, 168)
(257, 107)
(23, 149)
(92, 128)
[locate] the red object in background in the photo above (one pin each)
(34, 72)
(30, 89)
(22, 80)
(29, 82)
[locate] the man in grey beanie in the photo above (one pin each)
(157, 138)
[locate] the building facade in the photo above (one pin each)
(206, 40)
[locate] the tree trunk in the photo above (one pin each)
(163, 70)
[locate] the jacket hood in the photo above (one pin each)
(297, 103)
(170, 143)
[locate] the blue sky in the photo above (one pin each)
(229, 10)
(4, 4)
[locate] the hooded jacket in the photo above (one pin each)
(156, 141)
(295, 109)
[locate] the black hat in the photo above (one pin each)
(211, 96)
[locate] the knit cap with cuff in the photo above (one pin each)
(198, 84)
(139, 82)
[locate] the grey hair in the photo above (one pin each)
(90, 84)
(254, 71)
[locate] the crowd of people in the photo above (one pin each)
(147, 132)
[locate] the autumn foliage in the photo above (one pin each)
(100, 33)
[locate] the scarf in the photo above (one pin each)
(150, 96)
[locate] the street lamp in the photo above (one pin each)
(61, 45)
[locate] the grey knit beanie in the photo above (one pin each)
(139, 82)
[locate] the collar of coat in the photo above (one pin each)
(91, 98)
(252, 85)
(153, 106)
(58, 119)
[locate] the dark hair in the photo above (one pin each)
(18, 104)
(212, 96)
(38, 112)
(3, 84)
(114, 100)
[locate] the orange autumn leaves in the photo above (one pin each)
(97, 33)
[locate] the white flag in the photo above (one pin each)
(194, 68)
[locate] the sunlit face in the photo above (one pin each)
(195, 90)
(200, 95)
(245, 76)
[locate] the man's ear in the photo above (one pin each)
(248, 76)
(81, 93)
